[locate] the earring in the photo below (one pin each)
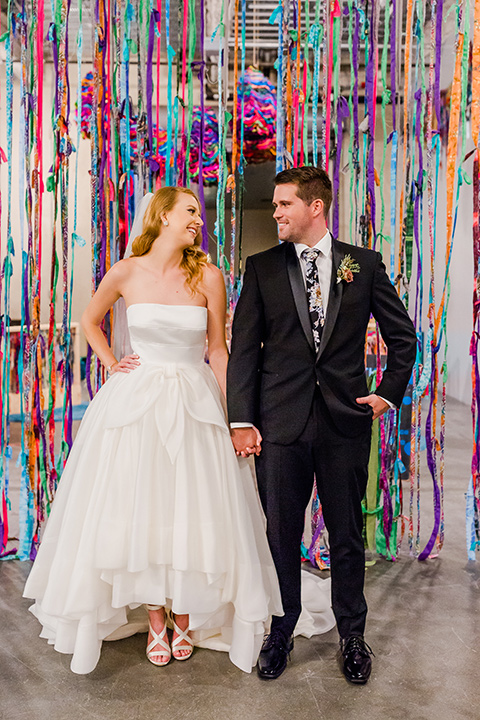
(165, 222)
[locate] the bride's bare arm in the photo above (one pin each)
(108, 292)
(214, 290)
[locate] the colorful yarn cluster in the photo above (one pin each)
(208, 144)
(156, 161)
(86, 105)
(318, 552)
(257, 103)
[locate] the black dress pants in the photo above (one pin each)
(285, 475)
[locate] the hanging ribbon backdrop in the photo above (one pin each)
(424, 137)
(141, 101)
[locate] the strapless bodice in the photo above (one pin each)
(162, 334)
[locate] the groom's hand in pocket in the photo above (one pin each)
(246, 441)
(378, 404)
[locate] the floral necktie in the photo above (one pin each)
(314, 294)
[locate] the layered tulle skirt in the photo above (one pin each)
(154, 507)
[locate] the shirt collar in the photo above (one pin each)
(324, 245)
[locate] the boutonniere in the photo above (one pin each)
(347, 267)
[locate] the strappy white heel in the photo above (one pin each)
(182, 637)
(158, 639)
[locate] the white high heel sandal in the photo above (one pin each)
(182, 636)
(158, 639)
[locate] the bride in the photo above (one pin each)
(154, 508)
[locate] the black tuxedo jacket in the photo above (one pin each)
(273, 368)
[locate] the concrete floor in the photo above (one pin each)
(423, 626)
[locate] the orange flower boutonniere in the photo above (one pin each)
(347, 267)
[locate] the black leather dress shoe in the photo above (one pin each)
(274, 654)
(357, 663)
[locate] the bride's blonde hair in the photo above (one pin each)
(194, 259)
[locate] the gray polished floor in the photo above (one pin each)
(423, 627)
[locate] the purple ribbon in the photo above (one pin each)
(355, 45)
(431, 449)
(201, 76)
(438, 58)
(316, 535)
(370, 103)
(342, 113)
(393, 62)
(67, 77)
(52, 35)
(475, 405)
(418, 192)
(154, 18)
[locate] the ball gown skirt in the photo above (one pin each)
(154, 507)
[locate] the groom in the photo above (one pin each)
(297, 372)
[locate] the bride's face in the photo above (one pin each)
(184, 220)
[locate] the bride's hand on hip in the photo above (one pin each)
(127, 363)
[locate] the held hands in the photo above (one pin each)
(246, 441)
(127, 363)
(378, 405)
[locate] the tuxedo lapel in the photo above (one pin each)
(334, 299)
(298, 290)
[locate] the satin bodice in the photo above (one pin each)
(163, 334)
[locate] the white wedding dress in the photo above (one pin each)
(155, 507)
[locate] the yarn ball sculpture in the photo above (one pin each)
(210, 159)
(259, 108)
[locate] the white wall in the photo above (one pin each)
(460, 310)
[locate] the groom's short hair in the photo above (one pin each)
(312, 183)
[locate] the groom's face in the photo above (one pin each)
(293, 216)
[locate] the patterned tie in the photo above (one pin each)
(314, 294)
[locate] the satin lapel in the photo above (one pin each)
(299, 293)
(334, 300)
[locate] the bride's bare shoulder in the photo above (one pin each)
(213, 284)
(124, 268)
(212, 275)
(121, 275)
